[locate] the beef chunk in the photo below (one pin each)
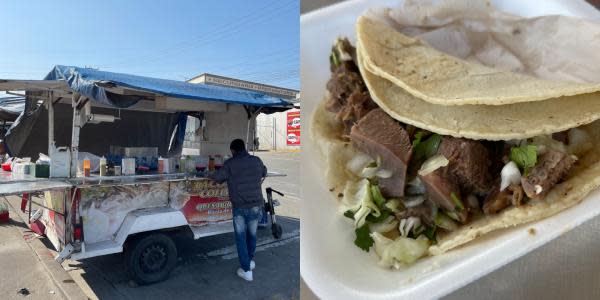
(378, 135)
(440, 189)
(349, 97)
(498, 200)
(468, 163)
(551, 167)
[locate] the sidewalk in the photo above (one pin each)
(25, 262)
(20, 267)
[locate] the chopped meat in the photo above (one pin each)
(440, 189)
(349, 97)
(498, 200)
(424, 212)
(378, 135)
(498, 152)
(517, 194)
(468, 163)
(562, 137)
(551, 167)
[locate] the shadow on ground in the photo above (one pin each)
(206, 270)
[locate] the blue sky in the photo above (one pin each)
(251, 40)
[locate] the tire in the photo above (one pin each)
(276, 230)
(151, 258)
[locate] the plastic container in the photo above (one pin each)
(128, 166)
(59, 162)
(333, 268)
(42, 171)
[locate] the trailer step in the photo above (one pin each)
(211, 229)
(97, 249)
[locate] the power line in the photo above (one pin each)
(210, 37)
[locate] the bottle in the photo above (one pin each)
(87, 166)
(102, 166)
(161, 165)
(211, 163)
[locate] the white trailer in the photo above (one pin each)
(91, 216)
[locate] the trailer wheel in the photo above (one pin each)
(151, 258)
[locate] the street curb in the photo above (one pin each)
(68, 287)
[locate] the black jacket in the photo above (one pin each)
(243, 174)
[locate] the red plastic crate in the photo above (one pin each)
(4, 217)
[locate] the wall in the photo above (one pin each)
(272, 131)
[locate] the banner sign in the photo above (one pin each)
(293, 128)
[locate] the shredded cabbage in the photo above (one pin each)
(394, 205)
(387, 225)
(399, 252)
(358, 200)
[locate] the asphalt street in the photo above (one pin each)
(287, 163)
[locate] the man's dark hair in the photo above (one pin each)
(237, 145)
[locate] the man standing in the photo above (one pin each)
(244, 174)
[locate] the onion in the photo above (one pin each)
(510, 174)
(408, 224)
(433, 163)
(358, 163)
(413, 201)
(383, 173)
(415, 187)
(545, 142)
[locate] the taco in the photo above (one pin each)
(421, 167)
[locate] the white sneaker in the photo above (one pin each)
(252, 265)
(244, 275)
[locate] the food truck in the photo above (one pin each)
(131, 129)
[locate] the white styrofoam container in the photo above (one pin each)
(330, 264)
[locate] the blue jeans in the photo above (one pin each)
(245, 222)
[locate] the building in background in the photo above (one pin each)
(276, 131)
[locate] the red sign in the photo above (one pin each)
(208, 202)
(293, 128)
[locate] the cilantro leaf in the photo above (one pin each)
(363, 238)
(427, 148)
(524, 156)
(384, 215)
(349, 214)
(417, 140)
(431, 234)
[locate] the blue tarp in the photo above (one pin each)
(84, 81)
(11, 107)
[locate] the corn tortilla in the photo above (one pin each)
(438, 78)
